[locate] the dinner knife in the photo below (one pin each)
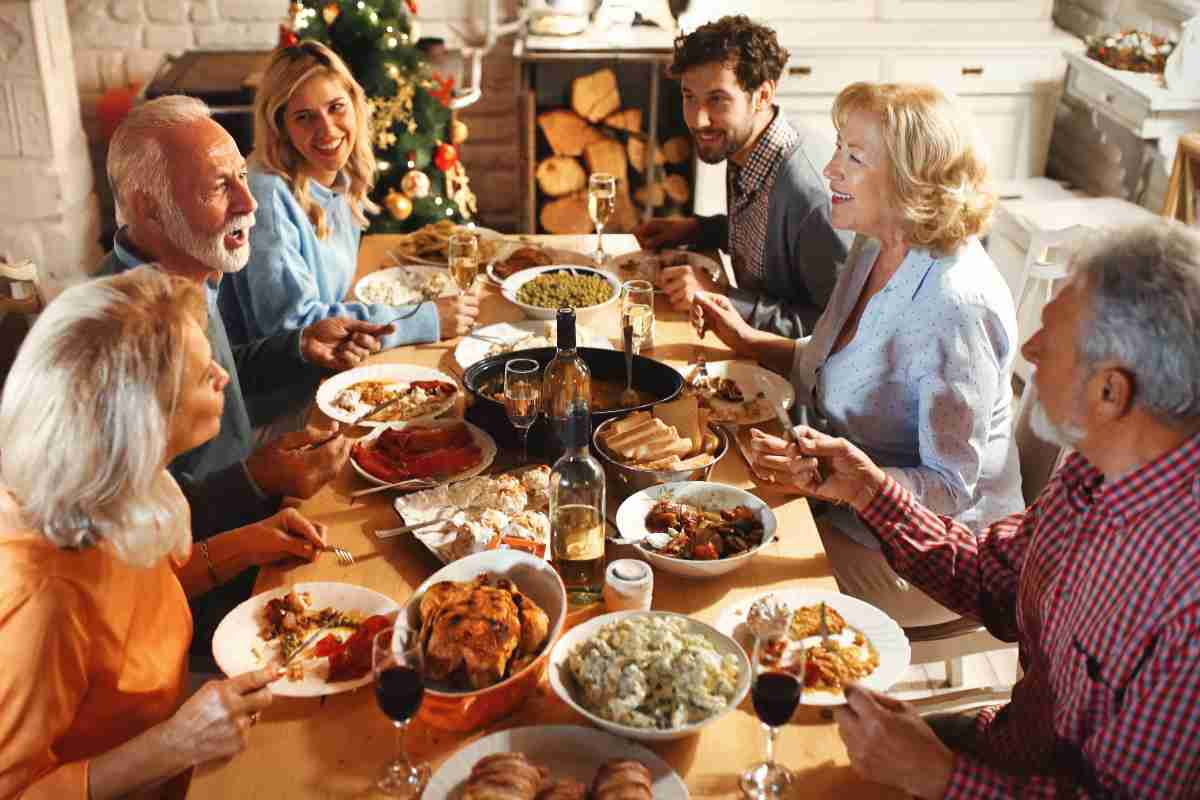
(361, 418)
(789, 432)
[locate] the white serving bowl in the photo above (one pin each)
(631, 524)
(469, 710)
(513, 284)
(563, 682)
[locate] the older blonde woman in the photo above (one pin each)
(114, 380)
(311, 172)
(912, 358)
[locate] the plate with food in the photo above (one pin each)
(522, 256)
(423, 392)
(272, 626)
(696, 529)
(443, 449)
(556, 762)
(400, 286)
(737, 392)
(541, 291)
(673, 436)
(865, 645)
(487, 512)
(429, 245)
(652, 676)
(646, 264)
(505, 337)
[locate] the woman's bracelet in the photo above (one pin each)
(212, 572)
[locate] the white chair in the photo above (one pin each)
(1045, 264)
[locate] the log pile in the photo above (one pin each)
(597, 134)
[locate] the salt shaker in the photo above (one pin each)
(628, 585)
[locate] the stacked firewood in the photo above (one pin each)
(597, 135)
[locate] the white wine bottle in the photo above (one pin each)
(577, 513)
(567, 384)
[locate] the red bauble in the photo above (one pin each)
(287, 37)
(446, 156)
(412, 6)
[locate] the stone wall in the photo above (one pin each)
(122, 42)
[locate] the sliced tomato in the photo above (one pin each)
(327, 646)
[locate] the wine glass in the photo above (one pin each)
(399, 688)
(522, 397)
(775, 693)
(602, 201)
(463, 255)
(637, 311)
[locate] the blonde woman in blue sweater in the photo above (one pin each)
(311, 172)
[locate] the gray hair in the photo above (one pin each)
(1144, 286)
(136, 159)
(85, 416)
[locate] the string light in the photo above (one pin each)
(391, 42)
(412, 165)
(383, 166)
(437, 200)
(450, 213)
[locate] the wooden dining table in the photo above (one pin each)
(334, 746)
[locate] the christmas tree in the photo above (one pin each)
(420, 179)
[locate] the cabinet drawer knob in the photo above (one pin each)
(972, 71)
(803, 72)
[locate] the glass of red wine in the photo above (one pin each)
(775, 693)
(399, 688)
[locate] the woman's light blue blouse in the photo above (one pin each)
(294, 279)
(924, 387)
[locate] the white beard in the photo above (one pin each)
(209, 251)
(1045, 429)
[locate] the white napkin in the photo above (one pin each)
(1182, 73)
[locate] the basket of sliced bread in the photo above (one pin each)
(671, 442)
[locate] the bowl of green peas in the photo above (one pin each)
(541, 291)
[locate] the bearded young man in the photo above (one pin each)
(785, 252)
(1098, 581)
(180, 188)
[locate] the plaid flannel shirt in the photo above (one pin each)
(749, 191)
(1099, 583)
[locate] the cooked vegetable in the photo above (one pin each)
(562, 289)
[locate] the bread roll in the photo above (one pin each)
(622, 779)
(504, 776)
(626, 423)
(642, 433)
(653, 451)
(563, 789)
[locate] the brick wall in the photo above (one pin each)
(120, 42)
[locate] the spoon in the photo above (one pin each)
(629, 397)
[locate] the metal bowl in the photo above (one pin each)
(624, 480)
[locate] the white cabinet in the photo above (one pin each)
(965, 9)
(1015, 131)
(774, 10)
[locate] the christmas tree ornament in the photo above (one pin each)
(287, 37)
(415, 184)
(330, 13)
(295, 13)
(446, 156)
(458, 131)
(398, 205)
(412, 6)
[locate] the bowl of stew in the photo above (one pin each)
(654, 382)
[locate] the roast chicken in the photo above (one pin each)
(476, 633)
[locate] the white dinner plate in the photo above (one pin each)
(747, 376)
(238, 648)
(881, 630)
(568, 751)
(471, 349)
(483, 440)
(557, 256)
(646, 264)
(412, 278)
(483, 233)
(389, 373)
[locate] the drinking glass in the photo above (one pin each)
(399, 688)
(602, 201)
(522, 397)
(776, 694)
(463, 256)
(637, 310)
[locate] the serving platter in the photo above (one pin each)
(513, 284)
(483, 440)
(494, 238)
(557, 255)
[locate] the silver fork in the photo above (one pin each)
(344, 556)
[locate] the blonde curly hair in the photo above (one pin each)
(939, 177)
(288, 70)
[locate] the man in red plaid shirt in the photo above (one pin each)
(1098, 581)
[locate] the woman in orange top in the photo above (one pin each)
(114, 380)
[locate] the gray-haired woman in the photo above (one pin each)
(114, 380)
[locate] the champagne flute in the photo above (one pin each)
(637, 311)
(602, 201)
(775, 693)
(399, 687)
(463, 252)
(522, 397)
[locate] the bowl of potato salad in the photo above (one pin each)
(652, 676)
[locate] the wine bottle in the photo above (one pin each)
(577, 513)
(567, 384)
